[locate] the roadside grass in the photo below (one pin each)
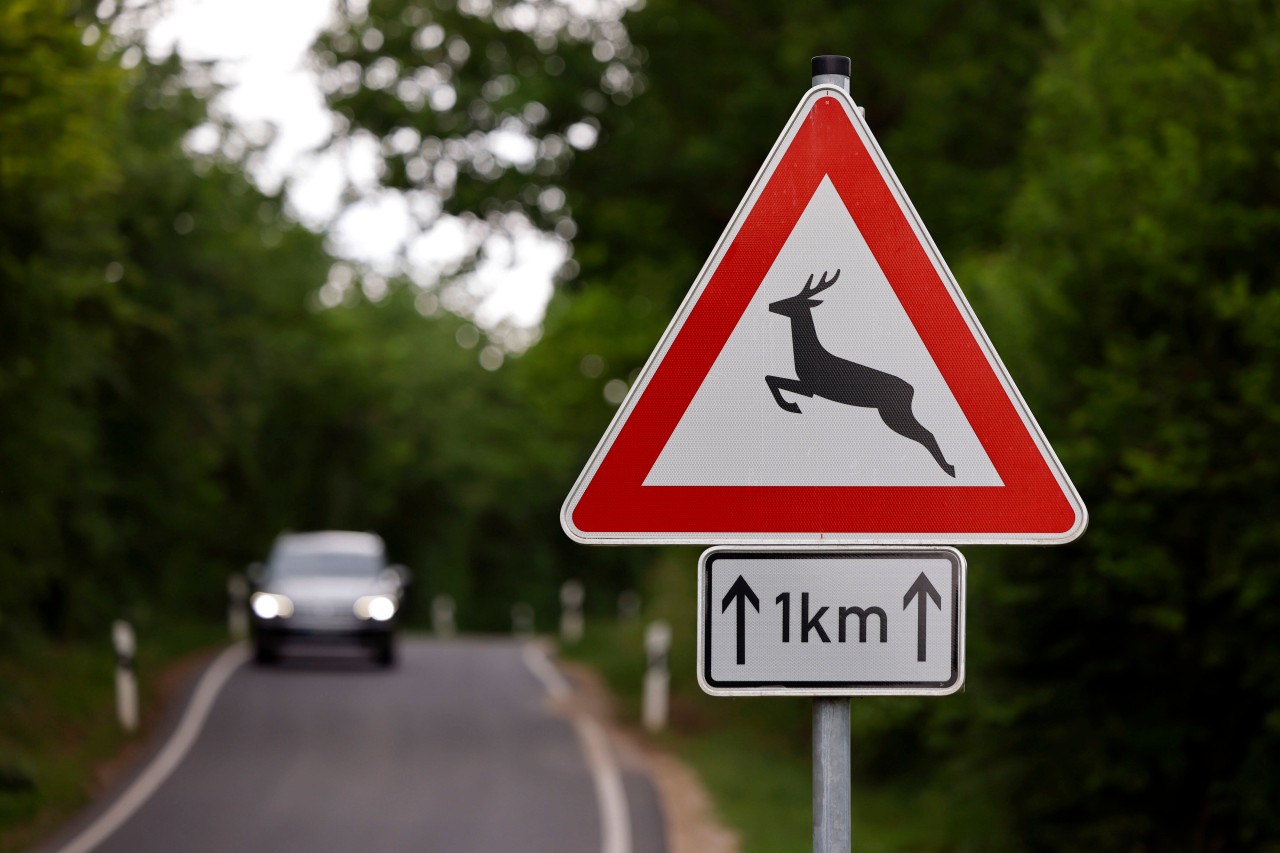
(58, 720)
(753, 754)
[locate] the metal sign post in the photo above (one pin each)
(832, 800)
(832, 740)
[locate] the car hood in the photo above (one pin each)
(329, 589)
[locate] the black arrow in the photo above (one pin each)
(741, 591)
(923, 591)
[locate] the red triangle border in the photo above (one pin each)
(616, 505)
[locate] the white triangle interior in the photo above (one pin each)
(734, 433)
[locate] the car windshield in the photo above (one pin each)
(325, 564)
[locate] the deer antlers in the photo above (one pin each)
(823, 284)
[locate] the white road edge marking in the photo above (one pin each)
(169, 757)
(611, 797)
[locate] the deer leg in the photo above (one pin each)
(899, 418)
(778, 384)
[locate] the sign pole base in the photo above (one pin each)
(831, 774)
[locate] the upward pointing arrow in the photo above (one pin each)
(922, 591)
(742, 591)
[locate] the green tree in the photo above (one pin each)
(1132, 699)
(60, 110)
(147, 301)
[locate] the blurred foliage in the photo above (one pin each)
(1130, 692)
(1102, 175)
(149, 307)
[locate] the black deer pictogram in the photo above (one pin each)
(822, 374)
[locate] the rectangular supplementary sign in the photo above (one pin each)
(847, 622)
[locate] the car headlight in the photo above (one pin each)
(379, 608)
(269, 605)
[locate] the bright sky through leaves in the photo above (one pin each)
(261, 50)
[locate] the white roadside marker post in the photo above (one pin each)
(571, 621)
(442, 609)
(522, 620)
(125, 644)
(237, 607)
(628, 605)
(657, 679)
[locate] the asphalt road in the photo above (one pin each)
(460, 747)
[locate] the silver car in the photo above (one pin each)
(327, 586)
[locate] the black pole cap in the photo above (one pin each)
(828, 64)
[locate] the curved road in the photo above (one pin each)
(460, 747)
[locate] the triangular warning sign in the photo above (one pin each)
(824, 381)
